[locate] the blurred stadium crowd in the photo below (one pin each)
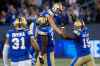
(89, 9)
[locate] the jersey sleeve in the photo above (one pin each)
(30, 33)
(50, 12)
(7, 35)
(46, 14)
(32, 30)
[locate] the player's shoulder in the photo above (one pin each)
(86, 30)
(44, 13)
(28, 31)
(11, 31)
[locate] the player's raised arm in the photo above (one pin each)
(5, 53)
(53, 25)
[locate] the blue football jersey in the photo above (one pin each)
(82, 42)
(48, 30)
(61, 19)
(46, 27)
(19, 44)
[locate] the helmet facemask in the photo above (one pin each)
(20, 23)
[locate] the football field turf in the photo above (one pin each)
(66, 62)
(62, 62)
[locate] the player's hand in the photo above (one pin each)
(41, 60)
(65, 36)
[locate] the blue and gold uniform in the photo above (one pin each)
(82, 42)
(61, 19)
(45, 29)
(82, 45)
(45, 37)
(19, 42)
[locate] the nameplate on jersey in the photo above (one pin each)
(18, 34)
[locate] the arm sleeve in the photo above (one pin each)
(5, 51)
(50, 12)
(5, 54)
(32, 30)
(7, 35)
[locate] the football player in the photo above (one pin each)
(59, 14)
(81, 39)
(17, 44)
(61, 18)
(46, 27)
(32, 20)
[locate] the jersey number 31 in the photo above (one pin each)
(18, 43)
